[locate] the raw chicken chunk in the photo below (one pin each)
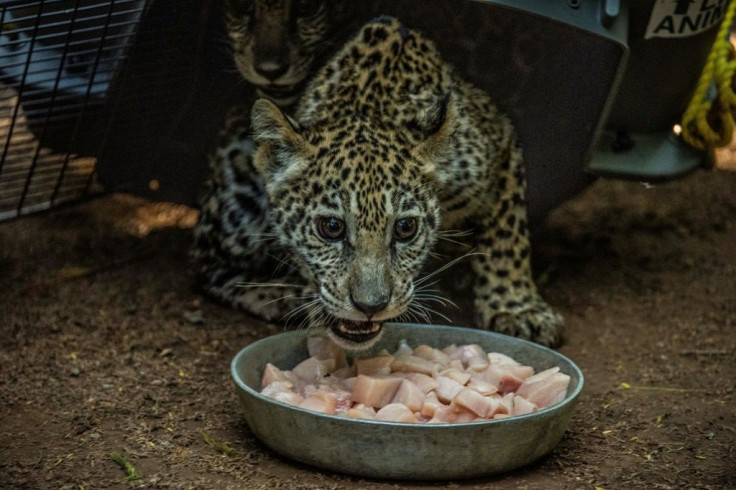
(432, 354)
(414, 364)
(479, 384)
(448, 388)
(319, 403)
(360, 411)
(272, 374)
(424, 382)
(409, 395)
(474, 401)
(522, 406)
(449, 414)
(312, 369)
(375, 392)
(283, 391)
(503, 378)
(396, 412)
(380, 365)
(546, 390)
(431, 404)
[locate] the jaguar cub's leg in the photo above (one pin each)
(506, 298)
(238, 260)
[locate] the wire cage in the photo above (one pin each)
(82, 81)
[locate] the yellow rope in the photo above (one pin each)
(708, 124)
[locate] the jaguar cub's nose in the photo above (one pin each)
(370, 307)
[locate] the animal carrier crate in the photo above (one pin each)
(86, 82)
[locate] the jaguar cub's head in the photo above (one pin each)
(275, 42)
(356, 203)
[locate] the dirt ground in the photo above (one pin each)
(106, 347)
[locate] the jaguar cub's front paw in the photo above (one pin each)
(538, 323)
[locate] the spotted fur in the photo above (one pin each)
(336, 214)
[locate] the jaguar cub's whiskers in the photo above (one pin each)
(446, 266)
(427, 312)
(267, 285)
(315, 320)
(283, 262)
(449, 235)
(282, 298)
(310, 306)
(427, 296)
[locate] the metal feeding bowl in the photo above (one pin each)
(395, 450)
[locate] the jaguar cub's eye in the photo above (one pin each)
(331, 229)
(305, 8)
(405, 229)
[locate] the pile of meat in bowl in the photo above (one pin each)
(422, 384)
(468, 410)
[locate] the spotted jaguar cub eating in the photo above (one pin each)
(337, 213)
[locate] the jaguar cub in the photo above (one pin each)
(277, 43)
(336, 214)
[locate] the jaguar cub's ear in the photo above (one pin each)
(280, 145)
(438, 125)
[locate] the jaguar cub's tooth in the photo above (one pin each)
(358, 328)
(348, 328)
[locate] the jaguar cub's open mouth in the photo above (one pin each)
(357, 333)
